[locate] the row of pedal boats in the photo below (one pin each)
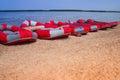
(30, 30)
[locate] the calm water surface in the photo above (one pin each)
(16, 18)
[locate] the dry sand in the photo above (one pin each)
(95, 56)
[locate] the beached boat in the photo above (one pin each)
(103, 25)
(52, 33)
(13, 34)
(46, 31)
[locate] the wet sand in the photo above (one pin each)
(95, 56)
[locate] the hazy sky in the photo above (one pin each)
(60, 4)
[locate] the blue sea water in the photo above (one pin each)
(16, 18)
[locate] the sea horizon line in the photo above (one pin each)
(60, 10)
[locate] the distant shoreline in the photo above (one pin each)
(53, 10)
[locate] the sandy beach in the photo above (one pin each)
(95, 56)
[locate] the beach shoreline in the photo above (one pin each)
(95, 56)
